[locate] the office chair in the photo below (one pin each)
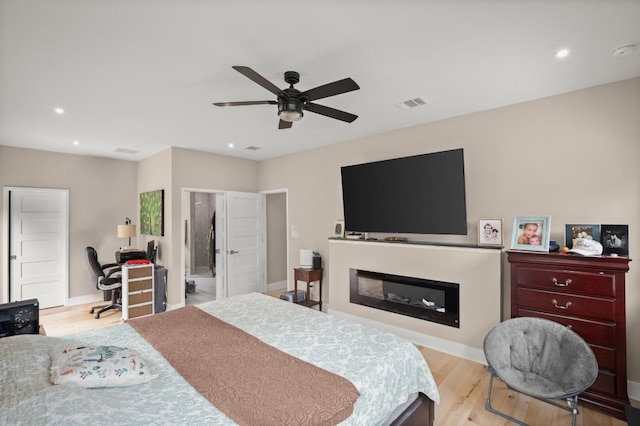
(108, 278)
(542, 359)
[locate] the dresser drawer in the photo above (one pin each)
(139, 272)
(143, 297)
(141, 310)
(140, 285)
(599, 284)
(606, 357)
(594, 332)
(605, 383)
(567, 304)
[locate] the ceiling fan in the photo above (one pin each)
(291, 102)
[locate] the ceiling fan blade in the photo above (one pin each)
(285, 124)
(245, 103)
(331, 89)
(257, 78)
(330, 112)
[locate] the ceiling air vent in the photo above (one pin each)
(125, 151)
(412, 103)
(252, 148)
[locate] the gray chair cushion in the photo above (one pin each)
(540, 358)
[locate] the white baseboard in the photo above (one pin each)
(633, 390)
(280, 285)
(81, 300)
(452, 348)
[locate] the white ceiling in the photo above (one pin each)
(141, 74)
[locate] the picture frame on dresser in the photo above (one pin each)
(490, 232)
(573, 231)
(615, 239)
(531, 233)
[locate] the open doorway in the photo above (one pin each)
(199, 211)
(203, 213)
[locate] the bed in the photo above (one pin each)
(392, 381)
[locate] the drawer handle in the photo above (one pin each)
(559, 284)
(555, 303)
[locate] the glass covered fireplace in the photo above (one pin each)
(430, 300)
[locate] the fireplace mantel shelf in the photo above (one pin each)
(420, 243)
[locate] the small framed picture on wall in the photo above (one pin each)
(531, 233)
(490, 232)
(615, 239)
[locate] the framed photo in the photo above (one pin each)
(531, 233)
(615, 239)
(338, 229)
(573, 231)
(490, 232)
(152, 213)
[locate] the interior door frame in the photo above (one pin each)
(6, 231)
(185, 191)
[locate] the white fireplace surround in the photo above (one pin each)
(478, 271)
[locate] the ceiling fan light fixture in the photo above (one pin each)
(289, 110)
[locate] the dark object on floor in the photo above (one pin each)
(542, 359)
(633, 415)
(160, 289)
(190, 286)
(20, 317)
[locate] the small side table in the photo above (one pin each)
(309, 276)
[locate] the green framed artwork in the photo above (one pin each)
(151, 213)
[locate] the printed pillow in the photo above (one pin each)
(98, 367)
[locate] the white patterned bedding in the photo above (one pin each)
(374, 361)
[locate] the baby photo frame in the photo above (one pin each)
(531, 233)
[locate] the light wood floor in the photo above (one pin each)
(462, 384)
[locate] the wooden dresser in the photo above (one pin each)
(586, 294)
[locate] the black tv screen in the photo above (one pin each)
(421, 194)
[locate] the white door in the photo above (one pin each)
(38, 247)
(243, 243)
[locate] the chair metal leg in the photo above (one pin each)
(572, 403)
(489, 408)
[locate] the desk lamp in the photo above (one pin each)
(127, 230)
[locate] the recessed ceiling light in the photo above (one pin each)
(76, 143)
(562, 53)
(230, 145)
(59, 111)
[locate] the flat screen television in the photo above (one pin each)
(421, 194)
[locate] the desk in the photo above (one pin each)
(309, 276)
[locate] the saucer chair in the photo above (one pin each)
(542, 359)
